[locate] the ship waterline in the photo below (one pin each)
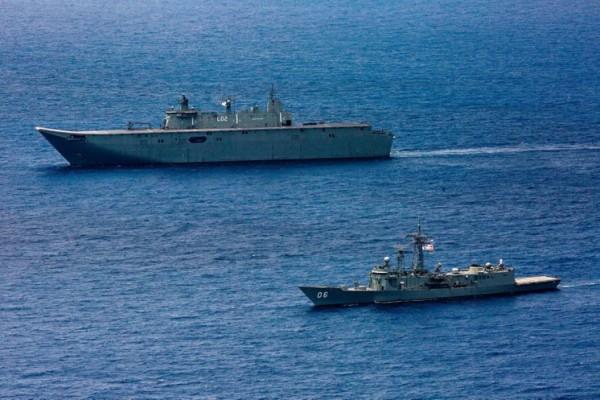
(340, 295)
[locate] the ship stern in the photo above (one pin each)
(84, 150)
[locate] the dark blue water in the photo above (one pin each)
(180, 282)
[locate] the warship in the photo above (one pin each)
(400, 285)
(189, 135)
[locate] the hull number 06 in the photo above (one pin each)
(322, 295)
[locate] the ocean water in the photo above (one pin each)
(181, 282)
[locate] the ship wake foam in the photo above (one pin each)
(580, 284)
(493, 150)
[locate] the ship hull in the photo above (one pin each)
(165, 146)
(339, 296)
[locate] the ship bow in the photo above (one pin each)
(69, 144)
(336, 296)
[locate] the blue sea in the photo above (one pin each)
(181, 282)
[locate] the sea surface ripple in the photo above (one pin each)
(181, 282)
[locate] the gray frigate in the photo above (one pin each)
(189, 135)
(388, 284)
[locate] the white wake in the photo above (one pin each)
(493, 150)
(580, 284)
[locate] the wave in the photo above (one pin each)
(493, 150)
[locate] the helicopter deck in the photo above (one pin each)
(530, 280)
(536, 283)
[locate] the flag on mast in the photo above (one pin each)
(428, 246)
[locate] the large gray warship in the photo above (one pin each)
(188, 135)
(399, 285)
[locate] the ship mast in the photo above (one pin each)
(400, 257)
(273, 103)
(272, 93)
(419, 240)
(184, 103)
